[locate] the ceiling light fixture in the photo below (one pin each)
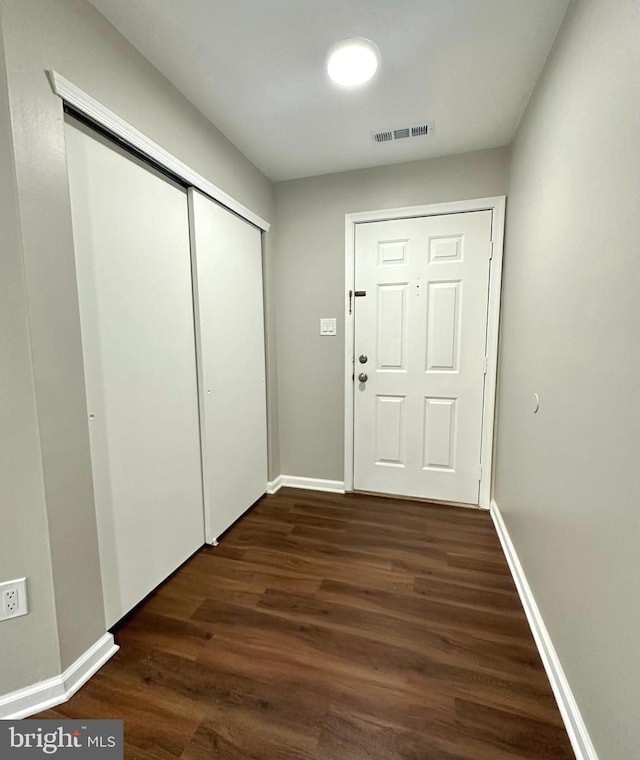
(352, 62)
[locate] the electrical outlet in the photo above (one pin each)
(13, 599)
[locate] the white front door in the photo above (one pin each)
(420, 338)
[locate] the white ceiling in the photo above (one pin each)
(256, 69)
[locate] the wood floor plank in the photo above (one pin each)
(511, 732)
(439, 614)
(329, 626)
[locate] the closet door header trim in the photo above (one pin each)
(91, 108)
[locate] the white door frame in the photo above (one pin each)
(497, 206)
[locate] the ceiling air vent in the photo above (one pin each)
(403, 133)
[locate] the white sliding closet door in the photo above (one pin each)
(227, 261)
(131, 233)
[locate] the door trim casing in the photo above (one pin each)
(497, 206)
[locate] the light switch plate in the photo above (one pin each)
(328, 326)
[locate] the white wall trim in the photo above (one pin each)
(497, 206)
(310, 484)
(578, 734)
(349, 345)
(54, 691)
(110, 121)
(273, 486)
(491, 349)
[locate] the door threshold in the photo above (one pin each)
(402, 497)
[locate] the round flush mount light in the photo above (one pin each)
(352, 62)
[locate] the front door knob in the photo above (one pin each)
(363, 377)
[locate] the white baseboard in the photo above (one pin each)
(311, 484)
(54, 691)
(273, 486)
(578, 734)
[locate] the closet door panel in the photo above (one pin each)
(227, 262)
(131, 234)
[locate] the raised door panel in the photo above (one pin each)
(392, 327)
(439, 433)
(390, 430)
(444, 304)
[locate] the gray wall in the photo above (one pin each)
(71, 37)
(28, 645)
(567, 478)
(309, 284)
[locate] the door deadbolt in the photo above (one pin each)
(363, 377)
(363, 358)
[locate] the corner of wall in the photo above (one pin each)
(30, 643)
(573, 721)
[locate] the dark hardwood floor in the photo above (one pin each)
(331, 627)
